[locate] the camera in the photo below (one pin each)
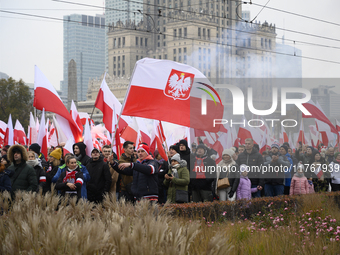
(170, 175)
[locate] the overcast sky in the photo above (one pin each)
(28, 41)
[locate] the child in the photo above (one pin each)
(299, 184)
(244, 189)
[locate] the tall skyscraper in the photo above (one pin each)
(120, 10)
(84, 41)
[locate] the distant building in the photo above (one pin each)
(84, 41)
(328, 100)
(246, 15)
(129, 11)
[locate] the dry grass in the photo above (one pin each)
(37, 224)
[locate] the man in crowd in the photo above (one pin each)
(144, 171)
(330, 155)
(306, 158)
(100, 181)
(276, 163)
(201, 179)
(106, 149)
(126, 179)
(24, 177)
(4, 150)
(254, 160)
(79, 151)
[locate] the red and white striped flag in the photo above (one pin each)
(9, 139)
(168, 85)
(19, 134)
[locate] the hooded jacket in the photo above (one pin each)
(83, 158)
(27, 179)
(186, 155)
(299, 185)
(179, 182)
(244, 189)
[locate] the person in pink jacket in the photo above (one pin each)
(244, 189)
(299, 184)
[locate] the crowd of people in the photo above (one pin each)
(189, 174)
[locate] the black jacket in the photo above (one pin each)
(50, 173)
(255, 161)
(203, 183)
(62, 186)
(100, 182)
(145, 178)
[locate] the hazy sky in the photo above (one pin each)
(28, 41)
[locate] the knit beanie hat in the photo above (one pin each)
(176, 157)
(35, 147)
(201, 146)
(56, 153)
(275, 145)
(284, 147)
(174, 147)
(229, 152)
(144, 148)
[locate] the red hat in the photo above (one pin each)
(144, 148)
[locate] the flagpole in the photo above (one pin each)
(94, 106)
(127, 93)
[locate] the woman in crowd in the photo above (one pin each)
(71, 180)
(321, 176)
(177, 180)
(40, 173)
(227, 168)
(53, 165)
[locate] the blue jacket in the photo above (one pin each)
(5, 181)
(288, 174)
(86, 177)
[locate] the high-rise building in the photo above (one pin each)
(84, 42)
(120, 10)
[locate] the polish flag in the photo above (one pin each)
(75, 116)
(283, 136)
(325, 130)
(221, 144)
(249, 132)
(317, 113)
(3, 127)
(42, 136)
(62, 138)
(158, 139)
(9, 138)
(263, 144)
(32, 131)
(52, 136)
(130, 133)
(210, 141)
(68, 148)
(318, 171)
(88, 138)
(19, 134)
(171, 85)
(338, 129)
(45, 96)
(301, 137)
(143, 134)
(83, 116)
(108, 103)
(314, 134)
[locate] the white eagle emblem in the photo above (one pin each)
(179, 85)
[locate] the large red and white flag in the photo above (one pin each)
(46, 97)
(88, 139)
(325, 131)
(3, 127)
(75, 116)
(62, 138)
(9, 139)
(317, 113)
(158, 138)
(52, 136)
(108, 104)
(19, 134)
(32, 131)
(42, 136)
(173, 92)
(143, 134)
(130, 133)
(83, 116)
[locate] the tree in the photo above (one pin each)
(15, 98)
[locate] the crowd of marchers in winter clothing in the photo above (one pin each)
(138, 174)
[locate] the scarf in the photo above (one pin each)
(70, 176)
(33, 162)
(198, 168)
(174, 170)
(299, 175)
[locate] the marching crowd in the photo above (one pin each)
(189, 174)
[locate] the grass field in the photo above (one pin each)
(36, 224)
